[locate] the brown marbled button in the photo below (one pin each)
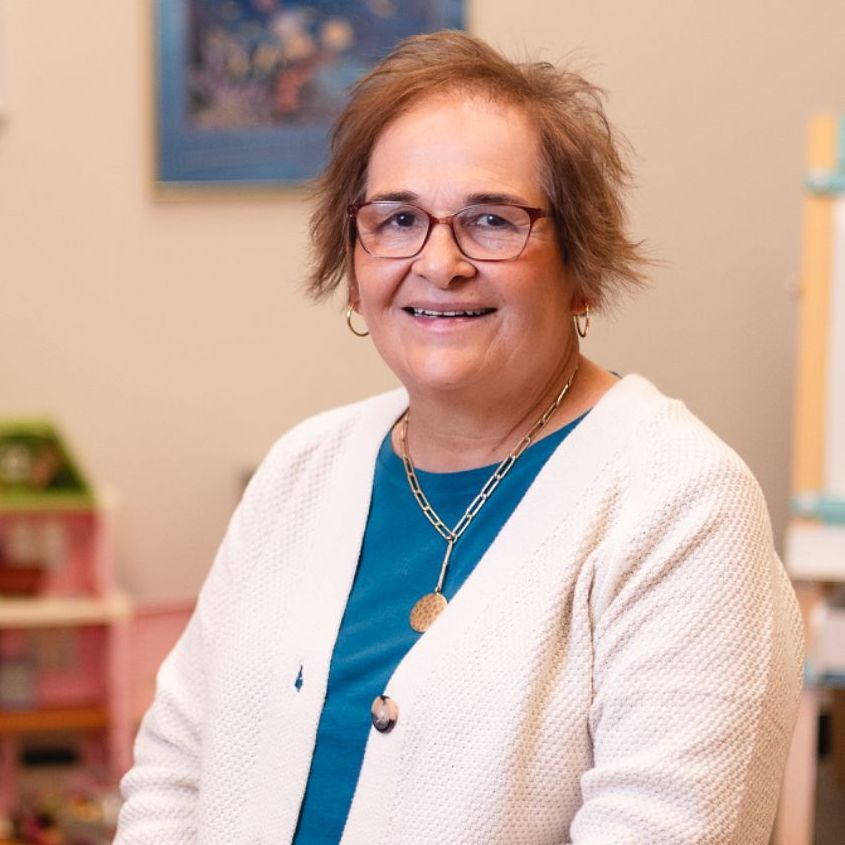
(385, 712)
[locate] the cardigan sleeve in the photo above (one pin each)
(698, 654)
(161, 790)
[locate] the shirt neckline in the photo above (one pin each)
(475, 477)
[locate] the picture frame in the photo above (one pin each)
(247, 90)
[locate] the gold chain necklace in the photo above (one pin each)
(431, 605)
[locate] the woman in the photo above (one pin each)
(521, 600)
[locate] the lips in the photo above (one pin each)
(450, 313)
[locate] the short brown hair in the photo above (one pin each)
(584, 174)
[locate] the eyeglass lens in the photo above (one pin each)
(399, 230)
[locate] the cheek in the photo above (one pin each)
(367, 283)
(544, 302)
(376, 280)
(557, 289)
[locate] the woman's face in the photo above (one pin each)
(444, 154)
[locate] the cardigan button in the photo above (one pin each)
(385, 712)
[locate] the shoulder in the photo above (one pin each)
(286, 491)
(663, 477)
(316, 443)
(664, 446)
(328, 427)
(685, 515)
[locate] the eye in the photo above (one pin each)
(392, 217)
(403, 219)
(492, 221)
(485, 218)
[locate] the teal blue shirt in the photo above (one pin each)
(400, 561)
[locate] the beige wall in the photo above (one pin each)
(171, 340)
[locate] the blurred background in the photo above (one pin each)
(166, 332)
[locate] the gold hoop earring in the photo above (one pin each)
(576, 318)
(349, 312)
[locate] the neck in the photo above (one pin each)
(448, 433)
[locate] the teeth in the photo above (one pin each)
(425, 312)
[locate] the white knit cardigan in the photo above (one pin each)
(621, 667)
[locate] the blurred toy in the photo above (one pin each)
(37, 474)
(36, 466)
(82, 813)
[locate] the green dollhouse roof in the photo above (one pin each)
(37, 469)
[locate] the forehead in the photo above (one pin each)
(447, 149)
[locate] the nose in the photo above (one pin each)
(440, 260)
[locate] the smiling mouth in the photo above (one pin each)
(428, 312)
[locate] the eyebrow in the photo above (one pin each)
(495, 199)
(394, 196)
(472, 199)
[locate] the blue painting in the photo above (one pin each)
(248, 89)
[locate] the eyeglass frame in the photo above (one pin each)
(534, 214)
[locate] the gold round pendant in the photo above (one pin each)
(426, 610)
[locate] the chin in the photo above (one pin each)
(443, 379)
(445, 370)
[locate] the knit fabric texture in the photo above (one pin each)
(400, 560)
(622, 666)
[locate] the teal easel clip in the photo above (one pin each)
(831, 181)
(826, 182)
(821, 506)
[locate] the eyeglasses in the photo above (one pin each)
(483, 232)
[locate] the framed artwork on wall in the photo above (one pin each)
(248, 89)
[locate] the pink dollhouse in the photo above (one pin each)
(77, 662)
